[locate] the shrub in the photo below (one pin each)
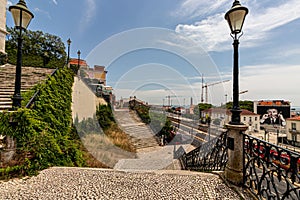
(44, 133)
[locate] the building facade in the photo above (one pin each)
(100, 73)
(3, 32)
(293, 130)
(222, 117)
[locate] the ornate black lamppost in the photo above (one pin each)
(69, 43)
(235, 18)
(22, 17)
(78, 65)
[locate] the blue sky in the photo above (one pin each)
(187, 38)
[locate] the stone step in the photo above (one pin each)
(5, 102)
(8, 98)
(30, 77)
(5, 93)
(5, 107)
(143, 164)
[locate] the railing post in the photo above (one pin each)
(235, 140)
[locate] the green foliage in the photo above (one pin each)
(87, 126)
(168, 131)
(111, 129)
(247, 105)
(143, 112)
(105, 116)
(44, 134)
(3, 58)
(158, 122)
(39, 49)
(201, 107)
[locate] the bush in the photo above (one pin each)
(44, 133)
(111, 129)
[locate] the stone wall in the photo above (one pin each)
(3, 32)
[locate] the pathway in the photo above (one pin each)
(78, 183)
(144, 177)
(150, 156)
(141, 134)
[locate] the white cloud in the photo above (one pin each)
(9, 3)
(43, 12)
(88, 14)
(55, 2)
(213, 31)
(196, 8)
(272, 82)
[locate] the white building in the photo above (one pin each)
(3, 32)
(223, 116)
(293, 130)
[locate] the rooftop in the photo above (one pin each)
(297, 118)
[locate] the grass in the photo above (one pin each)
(104, 149)
(120, 138)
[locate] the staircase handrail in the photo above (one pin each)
(210, 156)
(32, 99)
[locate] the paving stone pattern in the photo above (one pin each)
(78, 183)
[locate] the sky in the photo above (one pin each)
(154, 49)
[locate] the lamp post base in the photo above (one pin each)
(234, 167)
(17, 99)
(236, 117)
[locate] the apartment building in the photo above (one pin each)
(293, 130)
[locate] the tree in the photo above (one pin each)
(39, 49)
(247, 105)
(201, 107)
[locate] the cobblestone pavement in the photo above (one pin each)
(80, 183)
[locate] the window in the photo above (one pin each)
(294, 137)
(250, 119)
(294, 126)
(255, 119)
(244, 119)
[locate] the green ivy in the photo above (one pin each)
(44, 133)
(105, 116)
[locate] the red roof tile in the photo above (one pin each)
(222, 110)
(247, 112)
(74, 61)
(297, 118)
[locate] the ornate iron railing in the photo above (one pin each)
(271, 172)
(210, 156)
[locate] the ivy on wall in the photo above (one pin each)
(44, 134)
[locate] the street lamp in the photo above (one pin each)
(22, 17)
(78, 53)
(69, 43)
(235, 18)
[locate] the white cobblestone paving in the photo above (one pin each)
(79, 183)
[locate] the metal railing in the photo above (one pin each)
(270, 171)
(210, 156)
(35, 95)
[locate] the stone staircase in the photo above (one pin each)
(150, 156)
(30, 77)
(140, 134)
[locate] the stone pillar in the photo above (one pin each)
(234, 167)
